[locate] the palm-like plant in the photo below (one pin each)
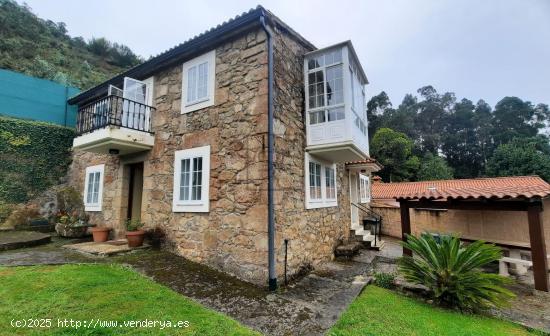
(451, 270)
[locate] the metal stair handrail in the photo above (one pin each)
(376, 216)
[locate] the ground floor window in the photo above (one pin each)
(191, 180)
(93, 188)
(364, 188)
(320, 183)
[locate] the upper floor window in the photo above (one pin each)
(325, 80)
(93, 188)
(320, 183)
(198, 82)
(191, 180)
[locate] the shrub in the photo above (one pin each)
(5, 211)
(70, 207)
(22, 216)
(451, 270)
(35, 155)
(384, 280)
(133, 224)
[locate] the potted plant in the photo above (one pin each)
(71, 220)
(100, 234)
(134, 234)
(155, 236)
(71, 226)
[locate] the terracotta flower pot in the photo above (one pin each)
(135, 238)
(101, 234)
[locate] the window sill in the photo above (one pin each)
(323, 204)
(92, 208)
(186, 108)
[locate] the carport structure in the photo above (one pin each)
(525, 193)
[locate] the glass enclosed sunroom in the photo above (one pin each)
(336, 119)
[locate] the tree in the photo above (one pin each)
(515, 118)
(452, 272)
(522, 156)
(433, 111)
(460, 143)
(394, 151)
(434, 167)
(377, 108)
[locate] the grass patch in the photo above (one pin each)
(106, 292)
(379, 312)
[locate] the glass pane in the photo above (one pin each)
(90, 188)
(197, 179)
(184, 181)
(334, 85)
(316, 117)
(202, 86)
(316, 89)
(336, 114)
(95, 196)
(192, 84)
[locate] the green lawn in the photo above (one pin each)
(86, 292)
(379, 312)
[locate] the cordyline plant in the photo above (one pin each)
(452, 271)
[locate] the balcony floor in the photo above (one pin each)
(125, 140)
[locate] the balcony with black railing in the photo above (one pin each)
(114, 125)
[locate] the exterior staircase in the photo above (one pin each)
(369, 231)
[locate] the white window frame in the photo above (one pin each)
(323, 202)
(202, 205)
(210, 58)
(88, 206)
(364, 188)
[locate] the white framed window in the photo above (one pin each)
(93, 188)
(320, 181)
(198, 82)
(191, 180)
(325, 87)
(364, 188)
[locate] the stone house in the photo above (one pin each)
(240, 141)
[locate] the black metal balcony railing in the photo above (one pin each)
(114, 111)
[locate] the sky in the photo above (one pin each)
(477, 49)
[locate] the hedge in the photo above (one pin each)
(33, 156)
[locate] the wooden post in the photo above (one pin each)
(405, 225)
(538, 248)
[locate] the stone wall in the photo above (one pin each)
(504, 227)
(110, 215)
(314, 233)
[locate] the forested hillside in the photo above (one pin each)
(42, 48)
(434, 135)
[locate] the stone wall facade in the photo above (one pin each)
(312, 234)
(232, 236)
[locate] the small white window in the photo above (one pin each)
(93, 188)
(364, 188)
(198, 82)
(191, 180)
(320, 183)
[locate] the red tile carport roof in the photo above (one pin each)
(489, 188)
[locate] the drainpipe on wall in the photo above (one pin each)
(270, 169)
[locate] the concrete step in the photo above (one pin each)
(368, 237)
(348, 250)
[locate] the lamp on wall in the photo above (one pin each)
(113, 151)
